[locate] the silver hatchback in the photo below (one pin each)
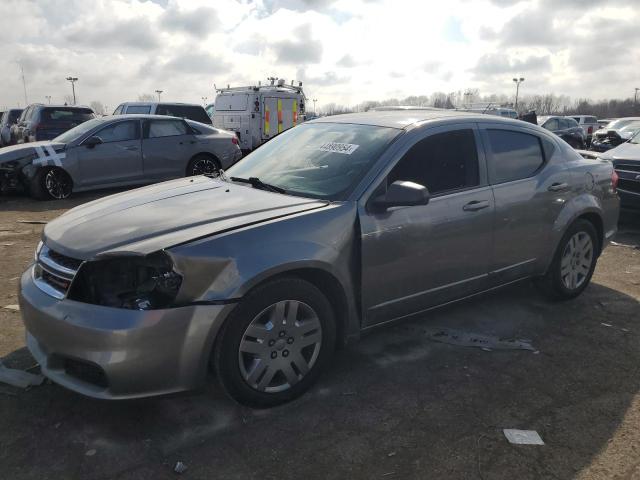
(330, 229)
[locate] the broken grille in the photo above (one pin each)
(54, 272)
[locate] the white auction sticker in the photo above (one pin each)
(335, 147)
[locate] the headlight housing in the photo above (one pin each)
(138, 283)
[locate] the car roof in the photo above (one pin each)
(144, 104)
(403, 119)
(142, 116)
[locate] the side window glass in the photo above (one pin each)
(166, 128)
(442, 162)
(120, 132)
(552, 124)
(118, 110)
(514, 155)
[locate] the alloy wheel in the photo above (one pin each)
(577, 259)
(58, 184)
(204, 166)
(280, 346)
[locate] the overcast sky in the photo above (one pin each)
(344, 51)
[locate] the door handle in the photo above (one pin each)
(558, 187)
(475, 205)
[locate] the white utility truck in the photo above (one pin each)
(258, 113)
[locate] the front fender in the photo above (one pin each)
(225, 267)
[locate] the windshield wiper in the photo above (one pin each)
(255, 182)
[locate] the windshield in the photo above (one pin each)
(79, 131)
(636, 138)
(319, 160)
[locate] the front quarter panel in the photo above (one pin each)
(225, 267)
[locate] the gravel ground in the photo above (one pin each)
(393, 406)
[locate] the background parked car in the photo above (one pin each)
(118, 151)
(9, 118)
(566, 128)
(191, 111)
(45, 122)
(613, 125)
(626, 161)
(615, 137)
(589, 124)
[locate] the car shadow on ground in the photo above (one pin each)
(20, 202)
(394, 405)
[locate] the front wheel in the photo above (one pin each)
(573, 264)
(276, 343)
(51, 184)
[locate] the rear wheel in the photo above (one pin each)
(573, 263)
(51, 184)
(275, 343)
(203, 165)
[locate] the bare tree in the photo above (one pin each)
(97, 107)
(147, 97)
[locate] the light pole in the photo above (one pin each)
(48, 97)
(518, 81)
(73, 80)
(159, 92)
(315, 114)
(635, 97)
(204, 101)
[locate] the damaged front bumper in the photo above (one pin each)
(9, 180)
(114, 353)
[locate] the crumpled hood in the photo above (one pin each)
(624, 151)
(148, 219)
(28, 151)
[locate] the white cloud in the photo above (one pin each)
(345, 51)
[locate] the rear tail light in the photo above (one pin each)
(590, 130)
(614, 181)
(235, 141)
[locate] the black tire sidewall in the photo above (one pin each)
(226, 347)
(559, 290)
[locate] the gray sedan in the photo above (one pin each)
(331, 229)
(117, 151)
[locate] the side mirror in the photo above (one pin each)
(402, 194)
(91, 142)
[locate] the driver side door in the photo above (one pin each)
(417, 257)
(117, 160)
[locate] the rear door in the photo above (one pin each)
(117, 160)
(530, 186)
(417, 257)
(279, 115)
(167, 147)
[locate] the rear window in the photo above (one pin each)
(231, 102)
(166, 128)
(192, 112)
(143, 109)
(514, 155)
(66, 114)
(590, 120)
(14, 115)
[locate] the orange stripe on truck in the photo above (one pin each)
(279, 116)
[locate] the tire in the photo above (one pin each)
(573, 263)
(51, 184)
(203, 164)
(262, 361)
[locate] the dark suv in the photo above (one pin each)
(566, 128)
(46, 122)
